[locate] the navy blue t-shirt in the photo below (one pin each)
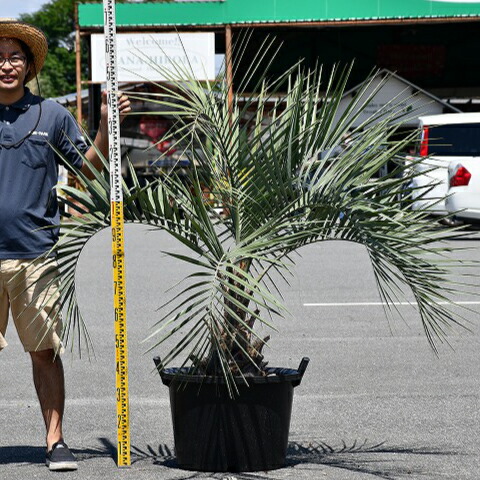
(29, 172)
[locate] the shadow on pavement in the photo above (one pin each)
(22, 454)
(30, 455)
(379, 460)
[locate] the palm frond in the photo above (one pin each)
(282, 186)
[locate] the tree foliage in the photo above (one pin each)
(282, 187)
(57, 20)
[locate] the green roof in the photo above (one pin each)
(273, 11)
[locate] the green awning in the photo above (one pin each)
(274, 11)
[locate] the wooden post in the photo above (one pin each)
(78, 67)
(229, 68)
(71, 179)
(229, 72)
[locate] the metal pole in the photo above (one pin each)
(78, 67)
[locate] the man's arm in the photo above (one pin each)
(101, 139)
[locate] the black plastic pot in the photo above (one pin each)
(216, 433)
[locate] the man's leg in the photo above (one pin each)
(36, 312)
(50, 385)
(38, 323)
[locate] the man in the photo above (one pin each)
(29, 125)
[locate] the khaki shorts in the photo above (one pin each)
(20, 293)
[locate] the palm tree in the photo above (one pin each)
(282, 184)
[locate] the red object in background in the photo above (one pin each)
(461, 178)
(424, 144)
(155, 129)
(166, 147)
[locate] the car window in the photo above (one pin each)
(455, 140)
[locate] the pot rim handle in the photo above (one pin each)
(301, 370)
(158, 363)
(303, 365)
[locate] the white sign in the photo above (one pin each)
(139, 53)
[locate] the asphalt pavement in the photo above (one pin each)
(375, 402)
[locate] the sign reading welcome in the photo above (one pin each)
(140, 54)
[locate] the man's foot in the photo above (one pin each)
(61, 458)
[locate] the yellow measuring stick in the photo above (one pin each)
(118, 240)
(121, 350)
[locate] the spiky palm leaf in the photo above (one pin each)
(277, 197)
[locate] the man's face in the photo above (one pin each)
(12, 77)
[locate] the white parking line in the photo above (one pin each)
(378, 304)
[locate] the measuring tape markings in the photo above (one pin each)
(118, 251)
(120, 336)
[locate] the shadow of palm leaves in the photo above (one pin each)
(379, 460)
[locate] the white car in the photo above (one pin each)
(449, 177)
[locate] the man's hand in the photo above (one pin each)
(124, 107)
(101, 140)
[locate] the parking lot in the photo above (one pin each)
(375, 402)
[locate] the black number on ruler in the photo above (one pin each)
(122, 360)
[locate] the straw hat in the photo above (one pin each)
(32, 36)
